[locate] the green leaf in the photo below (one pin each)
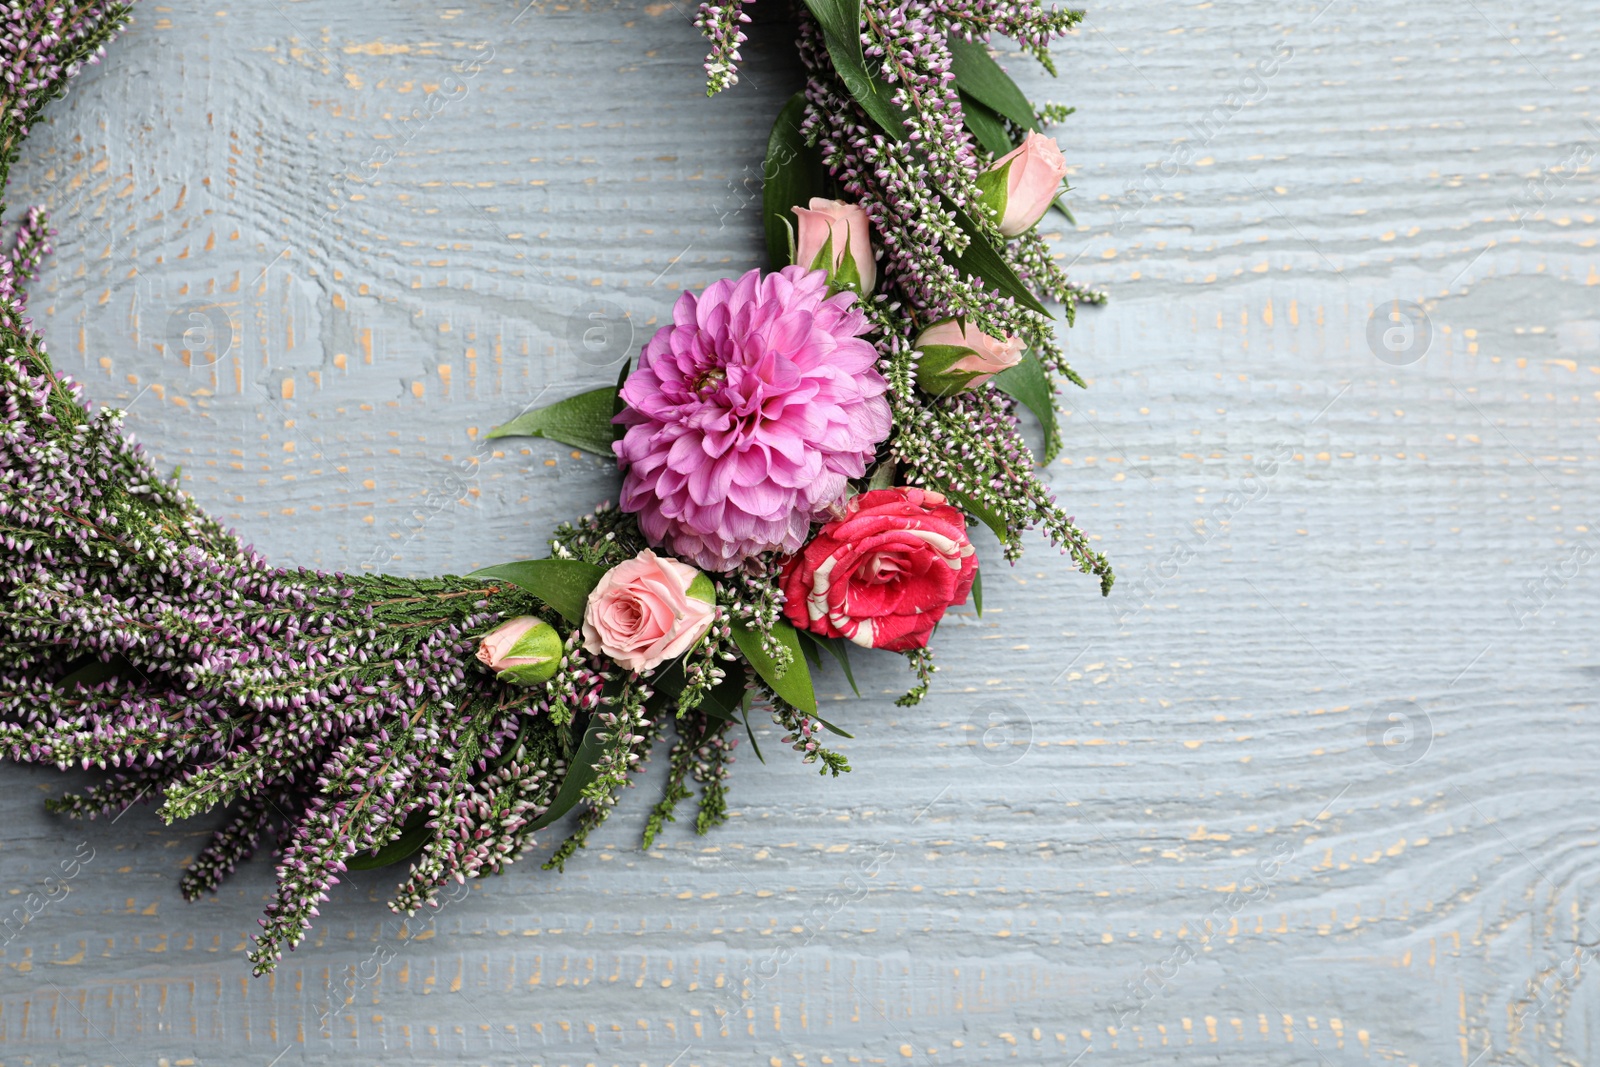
(667, 683)
(934, 375)
(832, 729)
(794, 684)
(977, 591)
(791, 176)
(809, 646)
(1066, 211)
(410, 841)
(841, 31)
(986, 125)
(846, 276)
(973, 508)
(617, 404)
(726, 697)
(580, 772)
(744, 713)
(94, 671)
(838, 649)
(564, 584)
(982, 260)
(582, 421)
(1029, 383)
(979, 76)
(882, 476)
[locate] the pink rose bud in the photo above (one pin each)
(1019, 187)
(834, 237)
(955, 356)
(648, 610)
(524, 650)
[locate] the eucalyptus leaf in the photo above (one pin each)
(793, 684)
(582, 421)
(1029, 383)
(580, 772)
(979, 76)
(564, 584)
(792, 175)
(982, 260)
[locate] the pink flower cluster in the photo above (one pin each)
(748, 415)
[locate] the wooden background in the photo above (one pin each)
(1315, 786)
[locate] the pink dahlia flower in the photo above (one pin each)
(747, 416)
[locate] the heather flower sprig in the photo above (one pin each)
(43, 43)
(803, 733)
(721, 25)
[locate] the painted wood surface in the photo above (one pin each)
(1315, 786)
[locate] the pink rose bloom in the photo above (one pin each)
(883, 575)
(957, 356)
(525, 650)
(748, 415)
(846, 225)
(648, 610)
(1020, 186)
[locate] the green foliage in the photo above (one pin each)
(980, 77)
(415, 834)
(564, 584)
(982, 260)
(582, 421)
(1029, 382)
(15, 121)
(790, 177)
(580, 773)
(839, 649)
(986, 125)
(841, 32)
(791, 682)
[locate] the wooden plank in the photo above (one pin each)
(1163, 827)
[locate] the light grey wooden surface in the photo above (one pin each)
(1319, 778)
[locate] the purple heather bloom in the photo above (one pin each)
(747, 416)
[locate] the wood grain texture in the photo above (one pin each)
(1315, 786)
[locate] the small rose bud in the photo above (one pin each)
(1019, 187)
(954, 356)
(835, 237)
(523, 651)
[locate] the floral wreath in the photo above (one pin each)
(803, 455)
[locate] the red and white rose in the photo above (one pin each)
(883, 575)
